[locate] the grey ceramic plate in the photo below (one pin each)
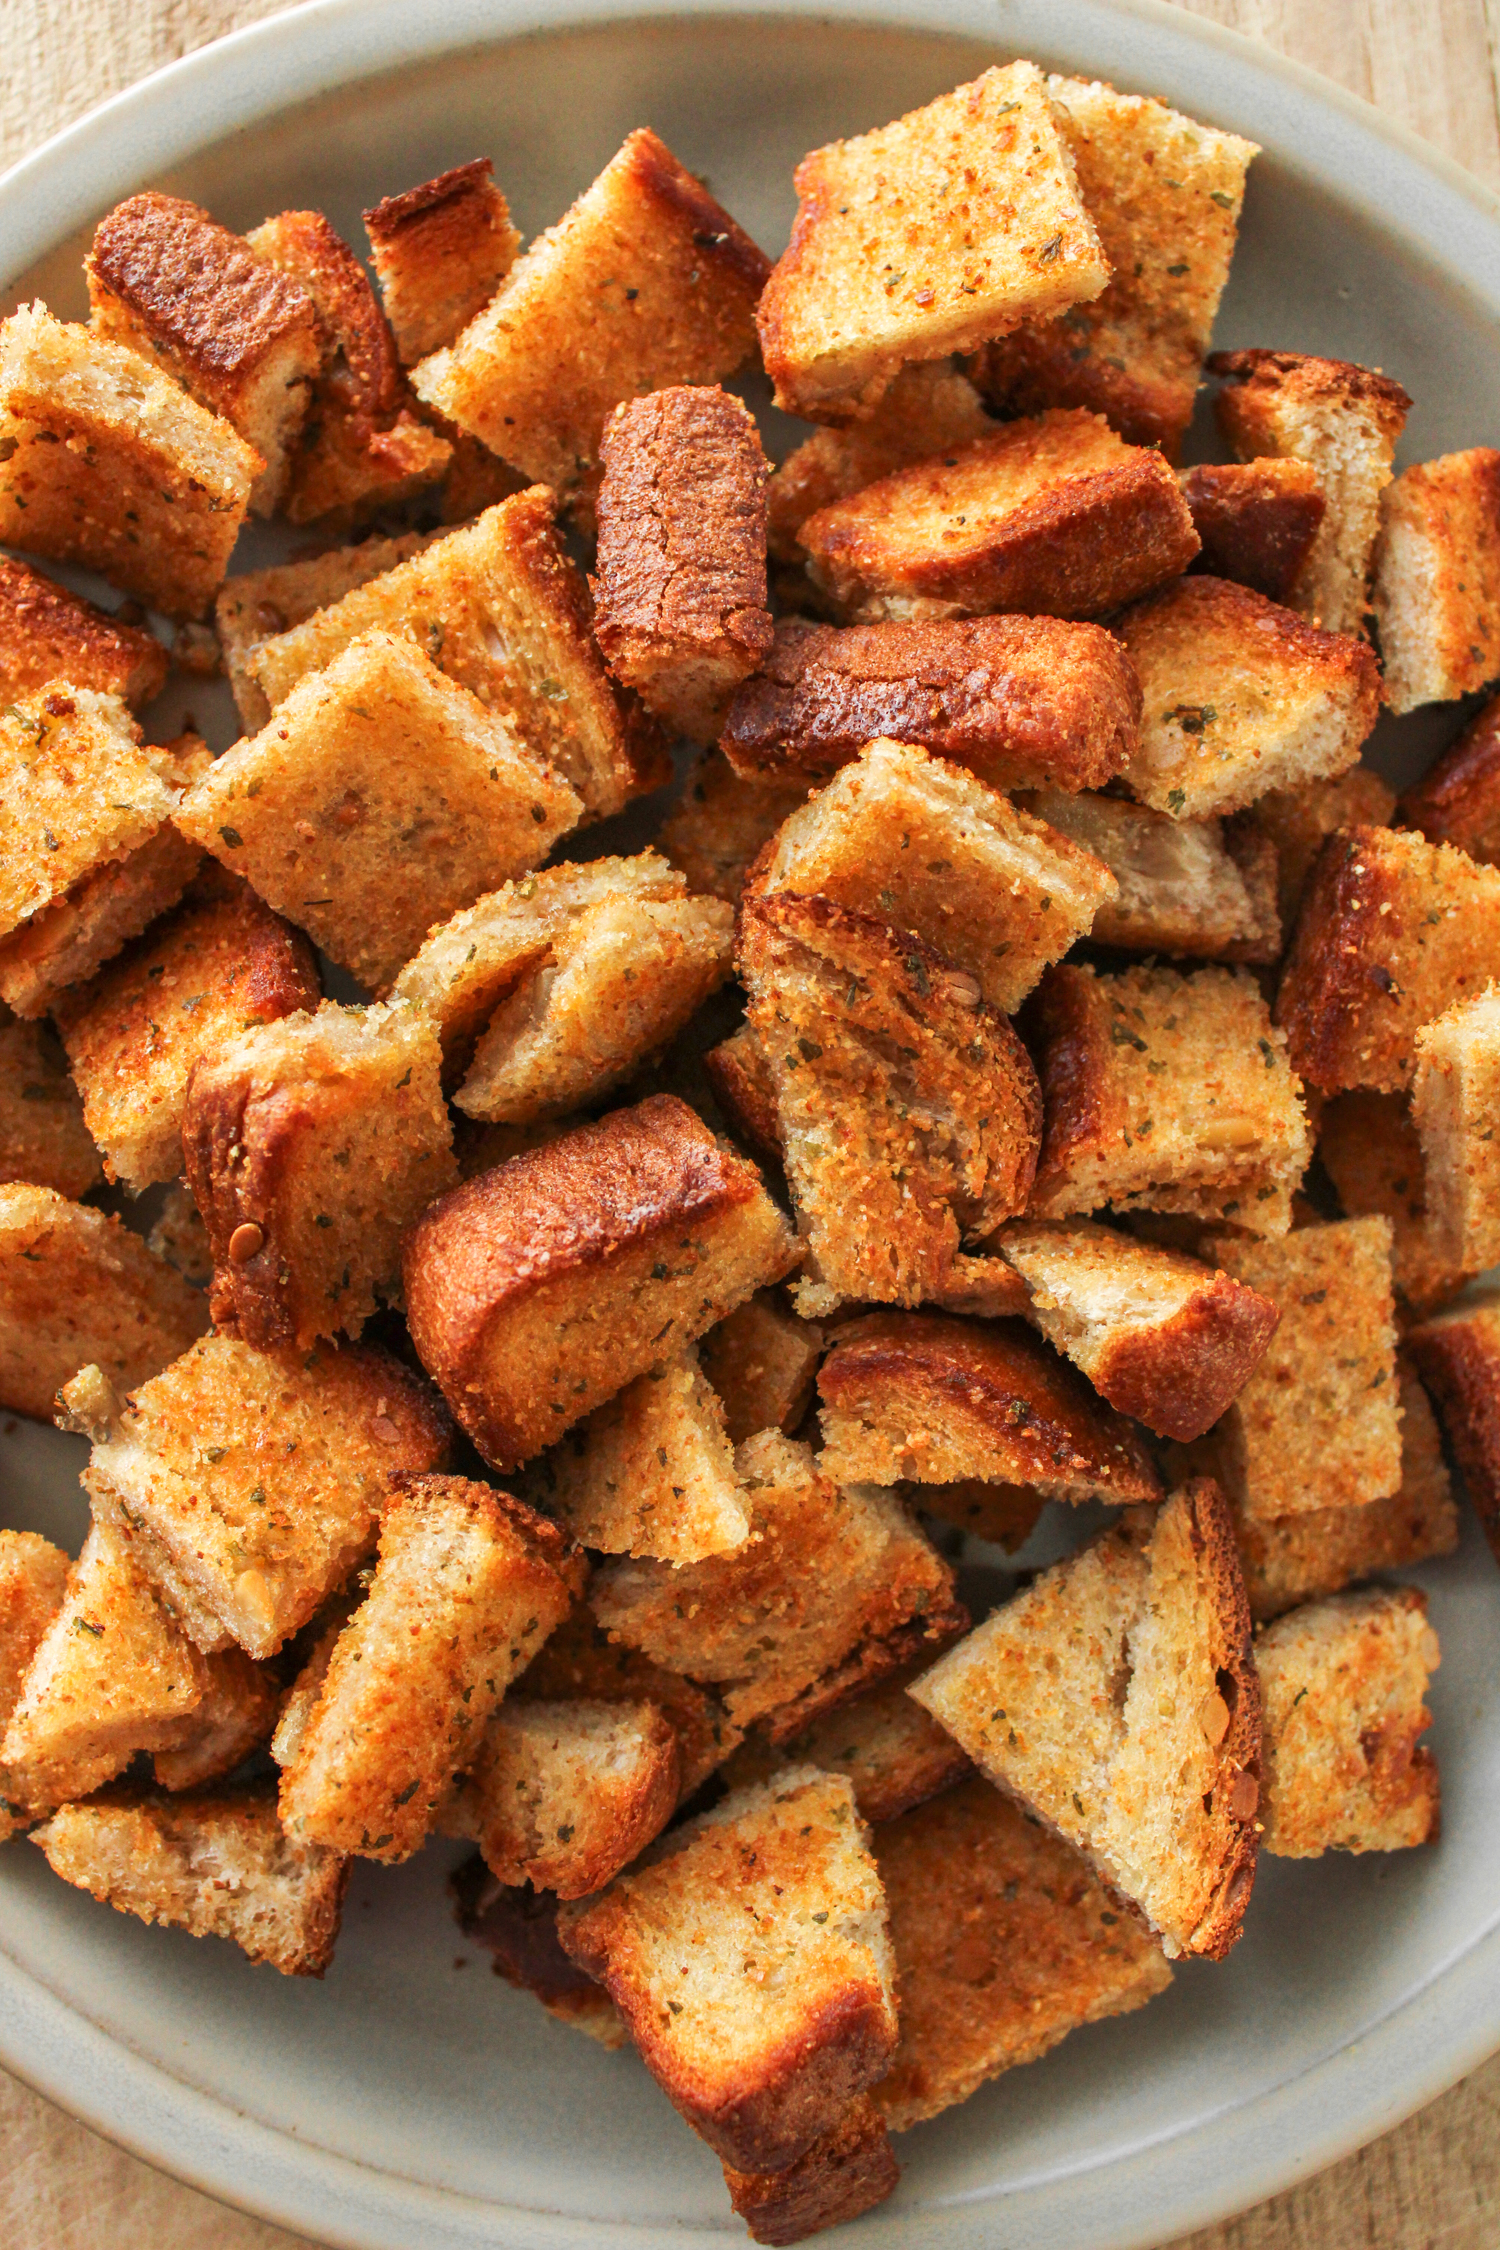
(407, 2100)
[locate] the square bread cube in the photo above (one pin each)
(580, 1663)
(1458, 1358)
(1454, 1107)
(1005, 1941)
(517, 1927)
(33, 1580)
(925, 847)
(1164, 193)
(1436, 594)
(1257, 520)
(850, 2169)
(1116, 1698)
(722, 821)
(78, 790)
(762, 2064)
(1241, 696)
(440, 251)
(1054, 516)
(928, 409)
(43, 1139)
(761, 1362)
(109, 465)
(1192, 887)
(256, 606)
(237, 1712)
(1457, 800)
(1343, 1683)
(48, 634)
(1393, 931)
(1165, 1092)
(537, 1290)
(894, 1754)
(1344, 421)
(1298, 822)
(976, 193)
(563, 1795)
(646, 281)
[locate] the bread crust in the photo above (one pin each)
(46, 633)
(1458, 1358)
(518, 1929)
(1256, 519)
(845, 2173)
(199, 288)
(1457, 800)
(441, 250)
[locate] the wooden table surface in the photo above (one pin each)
(1434, 2183)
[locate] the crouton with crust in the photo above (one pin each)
(43, 1139)
(46, 634)
(440, 250)
(1203, 888)
(894, 1754)
(1298, 822)
(1457, 800)
(255, 606)
(563, 1795)
(1453, 1107)
(1369, 1147)
(1458, 1358)
(79, 790)
(517, 1927)
(238, 1710)
(722, 821)
(1436, 594)
(929, 409)
(761, 1362)
(580, 1663)
(1257, 520)
(847, 2171)
(33, 1581)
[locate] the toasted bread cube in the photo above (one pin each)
(1298, 822)
(579, 1662)
(1054, 517)
(1457, 800)
(976, 193)
(1393, 931)
(1343, 420)
(300, 1451)
(563, 1795)
(1165, 194)
(722, 821)
(1453, 1106)
(1117, 1698)
(1257, 520)
(927, 409)
(1343, 1682)
(47, 634)
(1436, 592)
(537, 1290)
(310, 1145)
(218, 1866)
(78, 789)
(1458, 1358)
(745, 1091)
(1021, 701)
(77, 1288)
(1369, 1148)
(846, 2172)
(645, 282)
(908, 1107)
(1241, 696)
(380, 763)
(761, 1362)
(236, 1715)
(109, 465)
(1005, 1941)
(925, 847)
(1182, 886)
(256, 606)
(894, 1754)
(761, 2065)
(517, 1926)
(1160, 1336)
(441, 251)
(680, 575)
(43, 1139)
(33, 1581)
(1166, 1092)
(218, 964)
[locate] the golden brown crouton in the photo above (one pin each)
(563, 1795)
(1165, 194)
(1117, 1698)
(1054, 516)
(537, 1290)
(761, 1362)
(745, 1091)
(517, 1926)
(1458, 1358)
(46, 633)
(256, 606)
(42, 1135)
(928, 409)
(1182, 886)
(1454, 1107)
(1436, 594)
(579, 1661)
(976, 193)
(1344, 421)
(895, 1755)
(218, 1866)
(1256, 519)
(721, 822)
(235, 1716)
(760, 2064)
(1298, 821)
(1457, 800)
(847, 2171)
(441, 251)
(1369, 1148)
(78, 790)
(1165, 1092)
(1005, 1941)
(33, 1580)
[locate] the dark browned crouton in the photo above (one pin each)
(848, 2171)
(1458, 1358)
(1256, 519)
(1457, 800)
(517, 1927)
(46, 633)
(441, 251)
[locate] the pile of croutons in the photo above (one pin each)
(1108, 1118)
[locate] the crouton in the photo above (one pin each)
(1054, 517)
(1457, 800)
(1343, 1682)
(1453, 1107)
(235, 1716)
(1344, 421)
(1257, 520)
(43, 1139)
(1003, 1515)
(1022, 702)
(517, 1926)
(680, 575)
(722, 821)
(847, 2171)
(908, 1106)
(109, 465)
(1165, 1092)
(760, 2065)
(894, 1754)
(441, 251)
(1182, 886)
(1165, 194)
(1368, 1146)
(33, 1580)
(579, 1662)
(218, 1866)
(499, 607)
(977, 193)
(745, 1091)
(928, 409)
(1298, 821)
(300, 1452)
(537, 1291)
(832, 1590)
(310, 1145)
(1458, 1358)
(218, 964)
(47, 634)
(563, 1795)
(1026, 1946)
(1131, 1718)
(928, 849)
(645, 282)
(78, 789)
(256, 606)
(1436, 592)
(761, 1362)
(77, 1288)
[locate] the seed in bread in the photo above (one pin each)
(1299, 821)
(1453, 1107)
(440, 251)
(894, 1754)
(579, 1662)
(47, 634)
(1458, 1358)
(1116, 1697)
(761, 1362)
(517, 1927)
(847, 2171)
(722, 821)
(78, 790)
(928, 409)
(1257, 520)
(1457, 800)
(256, 606)
(1436, 592)
(236, 1715)
(43, 1139)
(33, 1581)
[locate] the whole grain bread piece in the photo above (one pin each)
(43, 1139)
(517, 1927)
(1053, 516)
(580, 1663)
(33, 1581)
(110, 465)
(216, 1865)
(237, 1714)
(1165, 1092)
(1453, 1106)
(1024, 702)
(537, 1290)
(220, 962)
(894, 1754)
(929, 408)
(1343, 1682)
(1165, 194)
(1241, 696)
(1344, 421)
(1457, 1353)
(760, 2065)
(1005, 1941)
(1457, 800)
(47, 633)
(254, 606)
(925, 847)
(1201, 888)
(1436, 592)
(1298, 821)
(77, 1288)
(761, 1362)
(440, 251)
(1392, 932)
(927, 236)
(79, 790)
(845, 2173)
(721, 822)
(299, 1449)
(1117, 1699)
(1257, 520)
